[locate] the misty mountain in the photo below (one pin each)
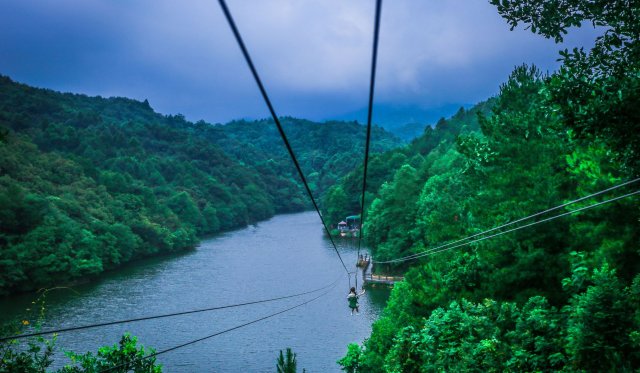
(405, 121)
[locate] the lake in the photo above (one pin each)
(287, 254)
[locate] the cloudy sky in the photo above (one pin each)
(313, 55)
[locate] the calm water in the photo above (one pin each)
(285, 255)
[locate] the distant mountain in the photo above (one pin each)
(409, 131)
(405, 121)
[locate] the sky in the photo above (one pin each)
(313, 55)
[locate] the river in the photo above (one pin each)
(287, 254)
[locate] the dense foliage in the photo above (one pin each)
(561, 296)
(326, 152)
(344, 198)
(126, 356)
(596, 92)
(36, 354)
(87, 183)
(287, 363)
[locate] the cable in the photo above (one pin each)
(21, 336)
(247, 58)
(372, 83)
(408, 257)
(216, 334)
(423, 254)
(521, 219)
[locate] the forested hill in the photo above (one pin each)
(326, 151)
(344, 198)
(87, 183)
(558, 296)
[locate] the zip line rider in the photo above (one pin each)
(353, 300)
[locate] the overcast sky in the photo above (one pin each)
(313, 55)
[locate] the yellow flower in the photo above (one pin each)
(25, 322)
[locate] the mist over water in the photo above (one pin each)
(285, 255)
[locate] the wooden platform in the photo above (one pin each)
(370, 279)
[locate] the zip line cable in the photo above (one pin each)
(217, 333)
(300, 173)
(21, 336)
(267, 101)
(408, 257)
(433, 251)
(428, 253)
(372, 83)
(541, 221)
(332, 285)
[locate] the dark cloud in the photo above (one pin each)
(313, 54)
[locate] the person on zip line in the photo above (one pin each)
(353, 300)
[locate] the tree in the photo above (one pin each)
(126, 356)
(393, 211)
(210, 215)
(37, 357)
(351, 361)
(597, 93)
(183, 205)
(287, 364)
(600, 321)
(337, 203)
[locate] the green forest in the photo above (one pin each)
(90, 183)
(87, 183)
(561, 296)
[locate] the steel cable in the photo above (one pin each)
(431, 252)
(372, 83)
(256, 77)
(96, 325)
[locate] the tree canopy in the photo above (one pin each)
(546, 298)
(87, 183)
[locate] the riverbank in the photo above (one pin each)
(134, 262)
(244, 265)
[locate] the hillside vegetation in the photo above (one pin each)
(87, 184)
(558, 296)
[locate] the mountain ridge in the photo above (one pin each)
(90, 183)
